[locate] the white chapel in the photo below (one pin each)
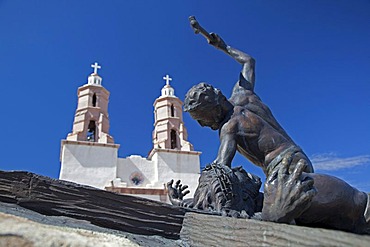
(89, 154)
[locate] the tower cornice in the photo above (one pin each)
(168, 98)
(93, 86)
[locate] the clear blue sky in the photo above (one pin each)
(313, 70)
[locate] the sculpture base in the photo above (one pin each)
(26, 193)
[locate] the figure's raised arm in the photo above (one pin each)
(215, 40)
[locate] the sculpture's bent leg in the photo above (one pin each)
(337, 205)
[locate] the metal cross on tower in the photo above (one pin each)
(167, 78)
(96, 67)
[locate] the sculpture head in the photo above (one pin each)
(222, 188)
(206, 105)
(249, 186)
(249, 183)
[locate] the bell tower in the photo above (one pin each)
(88, 155)
(91, 121)
(169, 130)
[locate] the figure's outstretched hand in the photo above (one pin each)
(176, 194)
(287, 196)
(212, 38)
(217, 41)
(194, 24)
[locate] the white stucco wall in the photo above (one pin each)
(127, 167)
(155, 172)
(184, 166)
(88, 163)
(98, 165)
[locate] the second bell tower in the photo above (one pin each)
(169, 130)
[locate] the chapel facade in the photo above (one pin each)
(89, 154)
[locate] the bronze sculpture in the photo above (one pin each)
(292, 192)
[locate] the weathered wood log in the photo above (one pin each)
(202, 230)
(102, 208)
(141, 216)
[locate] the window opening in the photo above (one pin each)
(172, 111)
(94, 100)
(173, 139)
(91, 132)
(136, 178)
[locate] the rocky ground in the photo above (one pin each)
(20, 227)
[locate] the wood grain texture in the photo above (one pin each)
(102, 208)
(141, 216)
(201, 230)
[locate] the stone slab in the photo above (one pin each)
(16, 232)
(16, 224)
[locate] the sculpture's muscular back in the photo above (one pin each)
(256, 139)
(243, 95)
